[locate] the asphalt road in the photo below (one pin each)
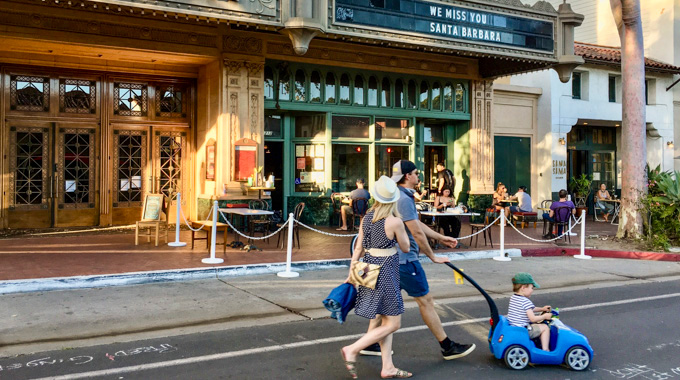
(636, 338)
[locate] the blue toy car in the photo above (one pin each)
(512, 344)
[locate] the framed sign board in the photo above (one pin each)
(245, 159)
(153, 207)
(210, 160)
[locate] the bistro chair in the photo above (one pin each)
(546, 205)
(259, 222)
(561, 216)
(475, 227)
(297, 214)
(359, 209)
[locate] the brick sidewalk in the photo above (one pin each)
(95, 253)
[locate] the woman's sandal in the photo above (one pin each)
(351, 366)
(400, 374)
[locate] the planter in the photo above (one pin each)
(579, 211)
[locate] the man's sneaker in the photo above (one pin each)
(456, 351)
(372, 350)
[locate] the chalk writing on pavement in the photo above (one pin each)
(641, 371)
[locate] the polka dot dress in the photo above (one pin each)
(385, 299)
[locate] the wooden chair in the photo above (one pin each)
(154, 217)
(297, 213)
(545, 204)
(207, 227)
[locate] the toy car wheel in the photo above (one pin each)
(577, 358)
(516, 357)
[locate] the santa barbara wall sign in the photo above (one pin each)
(447, 22)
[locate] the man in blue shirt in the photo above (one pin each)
(358, 193)
(412, 275)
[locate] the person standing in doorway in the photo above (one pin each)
(411, 273)
(445, 179)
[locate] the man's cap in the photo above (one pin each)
(524, 278)
(401, 168)
(360, 180)
(385, 190)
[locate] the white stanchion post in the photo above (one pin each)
(178, 243)
(583, 255)
(501, 256)
(212, 259)
(289, 252)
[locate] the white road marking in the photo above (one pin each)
(287, 346)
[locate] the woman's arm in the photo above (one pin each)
(394, 228)
(358, 248)
(436, 202)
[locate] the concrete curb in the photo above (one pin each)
(136, 278)
(557, 251)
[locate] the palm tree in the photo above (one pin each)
(633, 149)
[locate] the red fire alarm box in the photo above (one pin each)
(245, 157)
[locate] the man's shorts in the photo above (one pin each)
(534, 331)
(412, 279)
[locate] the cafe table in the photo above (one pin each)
(617, 208)
(259, 189)
(435, 214)
(245, 212)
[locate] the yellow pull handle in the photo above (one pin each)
(458, 277)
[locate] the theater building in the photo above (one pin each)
(103, 102)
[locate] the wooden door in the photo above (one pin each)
(75, 175)
(31, 180)
(131, 178)
(171, 167)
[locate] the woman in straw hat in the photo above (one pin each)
(381, 230)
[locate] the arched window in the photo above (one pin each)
(460, 101)
(399, 94)
(448, 97)
(436, 99)
(330, 88)
(372, 91)
(424, 95)
(315, 87)
(344, 89)
(268, 83)
(386, 93)
(359, 90)
(300, 90)
(284, 85)
(412, 100)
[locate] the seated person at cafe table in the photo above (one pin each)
(606, 207)
(551, 217)
(499, 195)
(450, 224)
(420, 192)
(524, 200)
(347, 210)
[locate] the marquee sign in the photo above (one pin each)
(447, 22)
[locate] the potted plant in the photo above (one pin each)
(580, 187)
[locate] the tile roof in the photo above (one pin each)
(592, 53)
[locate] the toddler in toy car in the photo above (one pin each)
(521, 311)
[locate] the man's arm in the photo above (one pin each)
(416, 229)
(441, 182)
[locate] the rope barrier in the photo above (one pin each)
(564, 233)
(480, 231)
(251, 237)
(187, 222)
(324, 232)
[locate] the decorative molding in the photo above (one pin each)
(233, 66)
(543, 6)
(233, 128)
(101, 28)
(254, 68)
(341, 55)
(481, 160)
(246, 45)
(254, 112)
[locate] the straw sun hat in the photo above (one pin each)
(385, 190)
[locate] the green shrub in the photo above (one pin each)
(661, 206)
